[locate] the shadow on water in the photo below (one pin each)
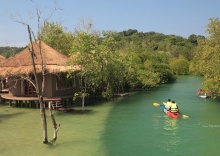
(75, 111)
(6, 114)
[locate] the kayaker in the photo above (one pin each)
(168, 105)
(174, 107)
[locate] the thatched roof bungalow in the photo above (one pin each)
(19, 67)
(21, 63)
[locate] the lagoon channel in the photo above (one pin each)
(128, 126)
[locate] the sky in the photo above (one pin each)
(170, 17)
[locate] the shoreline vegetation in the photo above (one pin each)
(115, 62)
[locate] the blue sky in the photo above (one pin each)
(177, 17)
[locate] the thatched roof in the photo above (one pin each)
(21, 63)
(2, 59)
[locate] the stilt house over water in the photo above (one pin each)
(18, 69)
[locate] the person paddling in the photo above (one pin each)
(167, 105)
(174, 108)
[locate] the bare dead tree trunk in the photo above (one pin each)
(42, 91)
(44, 120)
(55, 126)
(35, 83)
(39, 92)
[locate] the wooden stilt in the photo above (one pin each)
(29, 104)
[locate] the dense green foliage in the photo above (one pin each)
(114, 62)
(207, 58)
(117, 61)
(56, 36)
(9, 51)
(180, 66)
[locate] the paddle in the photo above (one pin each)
(184, 116)
(156, 104)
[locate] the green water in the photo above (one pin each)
(129, 126)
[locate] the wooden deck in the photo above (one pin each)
(32, 101)
(10, 97)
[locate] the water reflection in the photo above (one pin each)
(171, 124)
(172, 136)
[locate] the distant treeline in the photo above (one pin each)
(152, 41)
(10, 51)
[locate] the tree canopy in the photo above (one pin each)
(207, 58)
(56, 36)
(118, 61)
(10, 51)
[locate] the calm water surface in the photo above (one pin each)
(129, 126)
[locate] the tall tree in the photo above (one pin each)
(56, 36)
(82, 53)
(36, 81)
(207, 58)
(193, 39)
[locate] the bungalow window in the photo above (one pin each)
(64, 82)
(29, 89)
